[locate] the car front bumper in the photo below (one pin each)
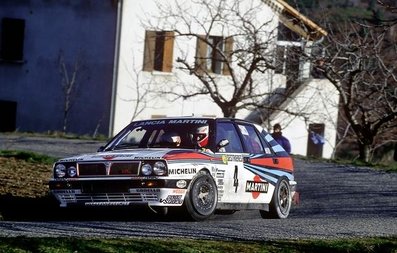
(120, 192)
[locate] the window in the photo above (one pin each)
(158, 54)
(210, 54)
(227, 131)
(287, 61)
(12, 39)
(251, 139)
(286, 34)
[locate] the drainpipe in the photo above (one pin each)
(115, 67)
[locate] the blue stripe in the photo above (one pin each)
(273, 173)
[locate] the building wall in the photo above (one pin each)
(132, 81)
(135, 20)
(81, 31)
(318, 103)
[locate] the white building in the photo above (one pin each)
(138, 73)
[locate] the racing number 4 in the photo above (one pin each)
(235, 182)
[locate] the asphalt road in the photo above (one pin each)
(336, 201)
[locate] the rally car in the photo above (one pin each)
(198, 164)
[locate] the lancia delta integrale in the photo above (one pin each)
(199, 165)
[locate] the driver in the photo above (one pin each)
(200, 136)
(171, 138)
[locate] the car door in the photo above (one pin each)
(257, 161)
(229, 174)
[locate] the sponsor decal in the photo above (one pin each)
(182, 171)
(147, 157)
(71, 160)
(220, 174)
(108, 157)
(149, 123)
(179, 191)
(119, 203)
(174, 121)
(181, 184)
(256, 186)
(132, 156)
(172, 199)
(188, 121)
(231, 158)
(145, 190)
(224, 159)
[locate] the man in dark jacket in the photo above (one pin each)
(282, 140)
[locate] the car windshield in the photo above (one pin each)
(177, 133)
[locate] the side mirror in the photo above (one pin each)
(222, 143)
(101, 148)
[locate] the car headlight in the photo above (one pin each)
(159, 168)
(72, 171)
(146, 169)
(60, 170)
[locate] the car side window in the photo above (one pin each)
(251, 139)
(226, 130)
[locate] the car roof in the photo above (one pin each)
(201, 117)
(210, 118)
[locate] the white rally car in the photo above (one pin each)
(200, 165)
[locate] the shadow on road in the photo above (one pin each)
(47, 209)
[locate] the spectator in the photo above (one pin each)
(282, 140)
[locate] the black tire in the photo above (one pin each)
(202, 197)
(280, 205)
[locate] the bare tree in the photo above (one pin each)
(69, 85)
(389, 5)
(235, 50)
(359, 61)
(141, 91)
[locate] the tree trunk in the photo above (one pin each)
(365, 152)
(229, 111)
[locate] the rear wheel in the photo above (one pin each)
(201, 197)
(280, 204)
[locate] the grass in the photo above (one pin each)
(23, 185)
(50, 245)
(24, 174)
(59, 134)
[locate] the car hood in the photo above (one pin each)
(132, 154)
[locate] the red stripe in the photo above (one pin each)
(284, 163)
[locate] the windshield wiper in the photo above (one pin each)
(126, 145)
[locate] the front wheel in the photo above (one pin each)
(280, 204)
(201, 197)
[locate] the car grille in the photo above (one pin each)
(107, 197)
(108, 169)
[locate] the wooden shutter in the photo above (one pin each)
(168, 51)
(201, 54)
(228, 53)
(150, 45)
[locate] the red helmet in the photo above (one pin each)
(201, 135)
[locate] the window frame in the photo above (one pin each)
(210, 60)
(158, 51)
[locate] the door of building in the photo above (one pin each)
(315, 140)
